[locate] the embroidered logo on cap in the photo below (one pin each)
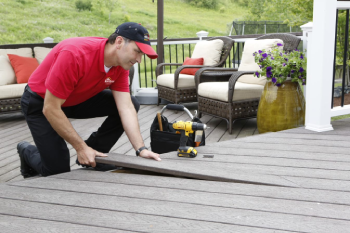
(146, 37)
(109, 81)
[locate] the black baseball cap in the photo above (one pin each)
(139, 34)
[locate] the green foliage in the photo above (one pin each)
(277, 66)
(83, 5)
(222, 9)
(210, 4)
(21, 1)
(126, 18)
(341, 37)
(293, 12)
(29, 25)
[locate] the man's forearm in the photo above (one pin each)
(131, 127)
(63, 127)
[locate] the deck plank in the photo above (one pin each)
(272, 203)
(214, 207)
(11, 224)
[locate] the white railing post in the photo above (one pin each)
(202, 34)
(135, 82)
(320, 66)
(48, 40)
(306, 28)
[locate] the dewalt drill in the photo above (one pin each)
(186, 128)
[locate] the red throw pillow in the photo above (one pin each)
(23, 67)
(192, 61)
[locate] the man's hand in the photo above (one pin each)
(87, 155)
(149, 155)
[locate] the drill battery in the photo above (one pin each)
(169, 138)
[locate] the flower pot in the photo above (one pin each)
(281, 108)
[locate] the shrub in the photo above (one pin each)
(210, 4)
(126, 18)
(83, 5)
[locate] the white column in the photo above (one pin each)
(320, 66)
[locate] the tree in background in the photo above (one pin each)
(292, 12)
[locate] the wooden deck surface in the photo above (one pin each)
(14, 129)
(291, 181)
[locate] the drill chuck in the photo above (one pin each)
(198, 126)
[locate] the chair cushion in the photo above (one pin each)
(23, 67)
(12, 91)
(219, 91)
(24, 52)
(167, 80)
(7, 74)
(248, 60)
(192, 61)
(40, 53)
(10, 74)
(209, 50)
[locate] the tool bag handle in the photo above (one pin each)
(176, 107)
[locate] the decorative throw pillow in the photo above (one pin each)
(23, 67)
(7, 75)
(209, 50)
(192, 62)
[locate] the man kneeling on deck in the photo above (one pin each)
(71, 83)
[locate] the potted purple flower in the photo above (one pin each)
(282, 103)
(279, 66)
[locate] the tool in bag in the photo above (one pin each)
(168, 139)
(186, 128)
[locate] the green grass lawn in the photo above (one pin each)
(30, 21)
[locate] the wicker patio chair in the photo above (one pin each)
(225, 80)
(182, 87)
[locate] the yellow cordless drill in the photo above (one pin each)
(186, 128)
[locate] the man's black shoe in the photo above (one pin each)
(26, 170)
(99, 166)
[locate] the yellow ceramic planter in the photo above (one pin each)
(281, 108)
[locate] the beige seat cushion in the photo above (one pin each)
(24, 52)
(219, 91)
(248, 60)
(40, 53)
(12, 91)
(167, 80)
(7, 74)
(210, 51)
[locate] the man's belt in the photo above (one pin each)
(32, 92)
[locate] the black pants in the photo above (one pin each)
(51, 155)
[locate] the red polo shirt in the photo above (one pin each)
(74, 71)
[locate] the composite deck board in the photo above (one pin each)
(127, 201)
(121, 220)
(11, 224)
(174, 183)
(234, 201)
(246, 173)
(185, 168)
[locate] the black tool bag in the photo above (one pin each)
(167, 140)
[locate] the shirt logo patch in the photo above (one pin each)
(109, 81)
